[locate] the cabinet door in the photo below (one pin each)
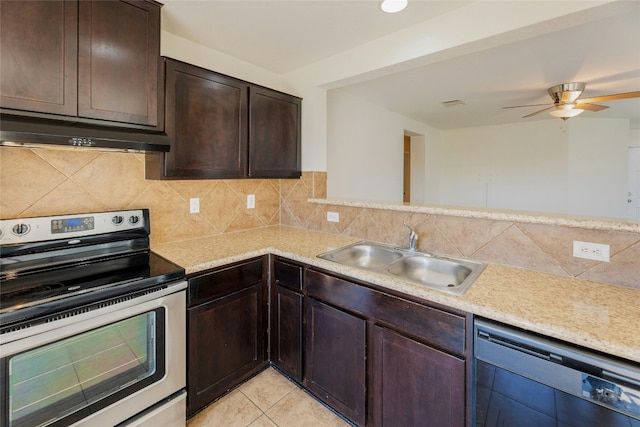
(336, 359)
(225, 344)
(414, 384)
(119, 62)
(286, 331)
(38, 46)
(274, 134)
(206, 119)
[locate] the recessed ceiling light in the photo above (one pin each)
(393, 6)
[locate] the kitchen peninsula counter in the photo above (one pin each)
(598, 316)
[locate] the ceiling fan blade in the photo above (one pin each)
(539, 111)
(530, 105)
(569, 96)
(609, 97)
(591, 107)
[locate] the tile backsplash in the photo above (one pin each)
(47, 182)
(539, 247)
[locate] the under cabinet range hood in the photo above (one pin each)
(35, 133)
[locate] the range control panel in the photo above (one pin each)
(67, 225)
(26, 230)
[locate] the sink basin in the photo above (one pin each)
(450, 275)
(431, 271)
(364, 255)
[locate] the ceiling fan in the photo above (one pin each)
(567, 102)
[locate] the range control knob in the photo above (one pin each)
(134, 219)
(117, 220)
(20, 229)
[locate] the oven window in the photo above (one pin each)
(75, 376)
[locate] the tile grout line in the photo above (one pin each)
(264, 412)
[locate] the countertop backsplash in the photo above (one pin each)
(45, 182)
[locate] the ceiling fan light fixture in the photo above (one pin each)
(567, 106)
(566, 92)
(566, 113)
(393, 6)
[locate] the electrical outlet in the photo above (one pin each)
(333, 217)
(194, 205)
(594, 251)
(251, 201)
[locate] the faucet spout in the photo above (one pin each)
(413, 237)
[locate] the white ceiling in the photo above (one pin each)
(282, 36)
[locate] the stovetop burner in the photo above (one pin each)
(38, 292)
(40, 277)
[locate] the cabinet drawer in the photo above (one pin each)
(436, 327)
(287, 275)
(215, 284)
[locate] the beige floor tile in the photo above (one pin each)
(299, 409)
(338, 422)
(233, 410)
(263, 421)
(267, 388)
(284, 403)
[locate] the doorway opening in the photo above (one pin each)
(406, 187)
(414, 184)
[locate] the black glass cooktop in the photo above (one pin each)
(26, 295)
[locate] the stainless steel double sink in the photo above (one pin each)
(446, 274)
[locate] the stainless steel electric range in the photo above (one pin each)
(92, 323)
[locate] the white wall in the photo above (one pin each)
(634, 137)
(185, 50)
(517, 166)
(365, 156)
(365, 149)
(576, 168)
(598, 167)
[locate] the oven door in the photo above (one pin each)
(103, 366)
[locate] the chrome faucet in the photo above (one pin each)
(413, 238)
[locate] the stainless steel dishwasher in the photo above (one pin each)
(524, 379)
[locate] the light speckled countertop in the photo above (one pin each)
(599, 316)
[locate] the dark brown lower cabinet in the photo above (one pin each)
(335, 367)
(286, 333)
(378, 357)
(414, 384)
(226, 322)
(383, 359)
(286, 318)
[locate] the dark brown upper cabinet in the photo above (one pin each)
(223, 127)
(39, 56)
(274, 134)
(206, 121)
(96, 62)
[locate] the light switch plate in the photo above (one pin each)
(194, 205)
(251, 201)
(333, 217)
